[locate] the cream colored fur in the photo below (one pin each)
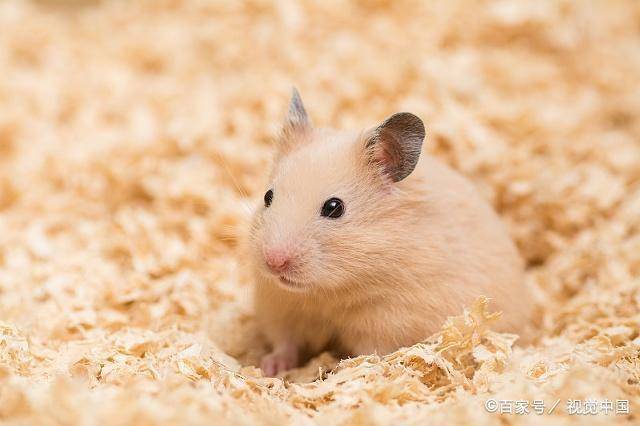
(387, 274)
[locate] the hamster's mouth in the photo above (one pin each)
(290, 284)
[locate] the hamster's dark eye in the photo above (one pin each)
(333, 208)
(268, 198)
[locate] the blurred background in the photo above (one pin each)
(136, 137)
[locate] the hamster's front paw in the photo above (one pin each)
(282, 358)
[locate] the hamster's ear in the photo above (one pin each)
(395, 145)
(297, 117)
(297, 125)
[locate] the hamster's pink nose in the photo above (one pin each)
(278, 260)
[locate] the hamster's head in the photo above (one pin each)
(329, 206)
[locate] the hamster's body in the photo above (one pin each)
(411, 247)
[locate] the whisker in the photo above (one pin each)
(243, 194)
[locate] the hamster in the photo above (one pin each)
(364, 243)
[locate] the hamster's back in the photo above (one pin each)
(459, 229)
